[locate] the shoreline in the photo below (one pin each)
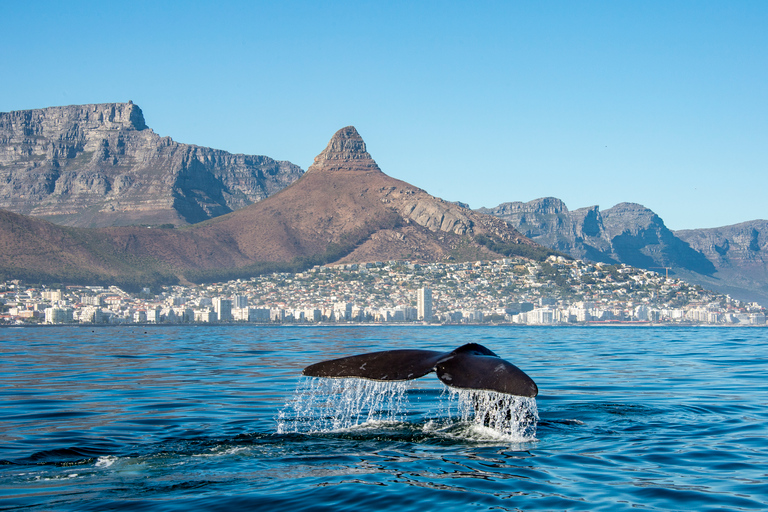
(360, 324)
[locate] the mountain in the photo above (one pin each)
(36, 250)
(740, 254)
(731, 259)
(100, 165)
(343, 209)
(344, 199)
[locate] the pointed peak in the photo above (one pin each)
(348, 132)
(345, 151)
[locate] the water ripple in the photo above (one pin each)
(188, 417)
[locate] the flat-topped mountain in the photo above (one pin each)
(343, 209)
(730, 259)
(100, 165)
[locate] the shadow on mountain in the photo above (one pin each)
(653, 250)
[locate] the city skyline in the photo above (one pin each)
(512, 291)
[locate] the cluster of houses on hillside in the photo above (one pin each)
(512, 290)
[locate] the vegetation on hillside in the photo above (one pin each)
(510, 249)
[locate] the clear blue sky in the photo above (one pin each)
(662, 103)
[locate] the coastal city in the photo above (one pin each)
(557, 291)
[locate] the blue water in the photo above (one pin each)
(206, 418)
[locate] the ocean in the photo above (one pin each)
(220, 418)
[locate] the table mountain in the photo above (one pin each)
(731, 259)
(343, 209)
(100, 165)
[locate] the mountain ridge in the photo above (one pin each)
(344, 208)
(730, 259)
(100, 165)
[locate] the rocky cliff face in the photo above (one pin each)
(740, 254)
(548, 221)
(732, 259)
(345, 151)
(100, 165)
(639, 238)
(627, 233)
(730, 245)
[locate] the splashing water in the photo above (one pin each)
(514, 417)
(325, 405)
(328, 405)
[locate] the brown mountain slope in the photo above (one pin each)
(38, 251)
(343, 209)
(345, 199)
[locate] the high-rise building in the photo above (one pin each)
(342, 311)
(424, 306)
(223, 309)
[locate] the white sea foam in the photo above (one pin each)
(105, 461)
(219, 451)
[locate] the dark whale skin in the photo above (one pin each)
(471, 366)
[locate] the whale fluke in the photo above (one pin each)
(471, 366)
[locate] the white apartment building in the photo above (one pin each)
(56, 315)
(223, 309)
(91, 315)
(205, 315)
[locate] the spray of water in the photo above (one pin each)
(326, 405)
(331, 405)
(489, 412)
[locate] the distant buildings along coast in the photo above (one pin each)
(512, 290)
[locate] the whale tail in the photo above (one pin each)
(471, 366)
